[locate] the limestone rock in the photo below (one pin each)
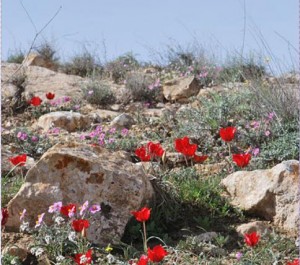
(271, 194)
(257, 226)
(67, 120)
(181, 89)
(75, 173)
(40, 81)
(122, 121)
(35, 59)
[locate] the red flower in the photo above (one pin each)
(294, 262)
(142, 215)
(227, 134)
(35, 101)
(80, 224)
(242, 160)
(19, 160)
(65, 210)
(251, 239)
(50, 95)
(143, 260)
(4, 216)
(84, 259)
(182, 145)
(199, 159)
(150, 151)
(157, 253)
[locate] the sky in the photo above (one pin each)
(109, 28)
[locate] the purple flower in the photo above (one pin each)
(76, 107)
(255, 124)
(255, 151)
(55, 130)
(93, 134)
(112, 130)
(22, 136)
(34, 139)
(66, 99)
(111, 140)
(95, 208)
(271, 115)
(267, 133)
(55, 207)
(101, 142)
(124, 131)
(98, 128)
(238, 256)
(82, 137)
(101, 136)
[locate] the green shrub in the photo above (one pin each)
(98, 93)
(83, 65)
(16, 57)
(48, 52)
(119, 67)
(143, 87)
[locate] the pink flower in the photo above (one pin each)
(22, 214)
(255, 151)
(22, 136)
(267, 133)
(40, 220)
(55, 207)
(95, 208)
(124, 131)
(34, 139)
(83, 207)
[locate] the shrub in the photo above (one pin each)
(48, 52)
(83, 65)
(121, 66)
(99, 93)
(240, 71)
(16, 57)
(142, 87)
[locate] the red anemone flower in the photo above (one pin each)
(142, 215)
(142, 154)
(143, 260)
(19, 160)
(84, 259)
(251, 239)
(50, 95)
(294, 262)
(149, 151)
(4, 216)
(80, 224)
(182, 145)
(227, 134)
(65, 210)
(35, 101)
(199, 159)
(157, 253)
(241, 160)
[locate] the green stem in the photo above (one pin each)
(145, 237)
(229, 149)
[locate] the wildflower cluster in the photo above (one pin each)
(64, 241)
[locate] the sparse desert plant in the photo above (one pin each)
(99, 93)
(48, 51)
(119, 67)
(83, 65)
(143, 87)
(16, 56)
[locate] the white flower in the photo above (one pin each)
(59, 220)
(83, 259)
(24, 226)
(60, 258)
(110, 258)
(72, 236)
(47, 239)
(36, 251)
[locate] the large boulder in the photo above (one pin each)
(70, 121)
(181, 89)
(39, 81)
(271, 193)
(75, 173)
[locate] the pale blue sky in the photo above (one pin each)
(136, 25)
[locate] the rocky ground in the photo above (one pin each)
(80, 151)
